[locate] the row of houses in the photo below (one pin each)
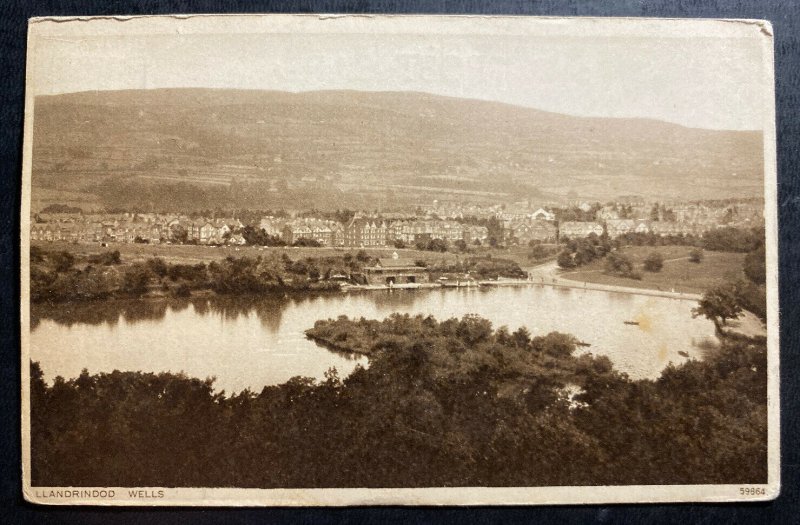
(617, 227)
(704, 215)
(130, 229)
(372, 232)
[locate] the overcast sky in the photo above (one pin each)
(712, 82)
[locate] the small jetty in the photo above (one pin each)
(583, 343)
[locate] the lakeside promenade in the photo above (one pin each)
(547, 274)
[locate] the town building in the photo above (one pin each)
(473, 233)
(617, 227)
(540, 231)
(311, 229)
(543, 215)
(365, 232)
(394, 270)
(579, 229)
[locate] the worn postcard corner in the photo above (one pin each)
(327, 260)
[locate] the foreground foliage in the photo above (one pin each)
(452, 403)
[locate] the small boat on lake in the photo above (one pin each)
(635, 323)
(683, 354)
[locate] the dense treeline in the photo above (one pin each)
(731, 239)
(727, 239)
(61, 276)
(451, 403)
(653, 239)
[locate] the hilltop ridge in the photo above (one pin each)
(332, 149)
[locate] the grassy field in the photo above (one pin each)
(678, 272)
(193, 254)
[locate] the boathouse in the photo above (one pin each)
(394, 270)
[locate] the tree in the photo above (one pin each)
(654, 213)
(654, 262)
(565, 260)
(437, 245)
(136, 279)
(307, 242)
(178, 234)
(696, 255)
(620, 264)
(718, 305)
(755, 265)
(157, 266)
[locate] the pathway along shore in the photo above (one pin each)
(747, 323)
(547, 274)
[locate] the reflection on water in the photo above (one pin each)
(255, 341)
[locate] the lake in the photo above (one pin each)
(248, 342)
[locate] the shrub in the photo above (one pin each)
(136, 279)
(62, 261)
(309, 243)
(105, 258)
(654, 262)
(565, 260)
(696, 255)
(621, 265)
(157, 266)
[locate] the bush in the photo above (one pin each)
(309, 243)
(565, 260)
(433, 245)
(157, 266)
(105, 258)
(620, 265)
(189, 272)
(696, 255)
(136, 279)
(62, 261)
(654, 262)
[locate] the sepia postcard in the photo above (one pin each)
(322, 260)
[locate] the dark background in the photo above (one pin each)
(785, 17)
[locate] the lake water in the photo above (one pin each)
(251, 342)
